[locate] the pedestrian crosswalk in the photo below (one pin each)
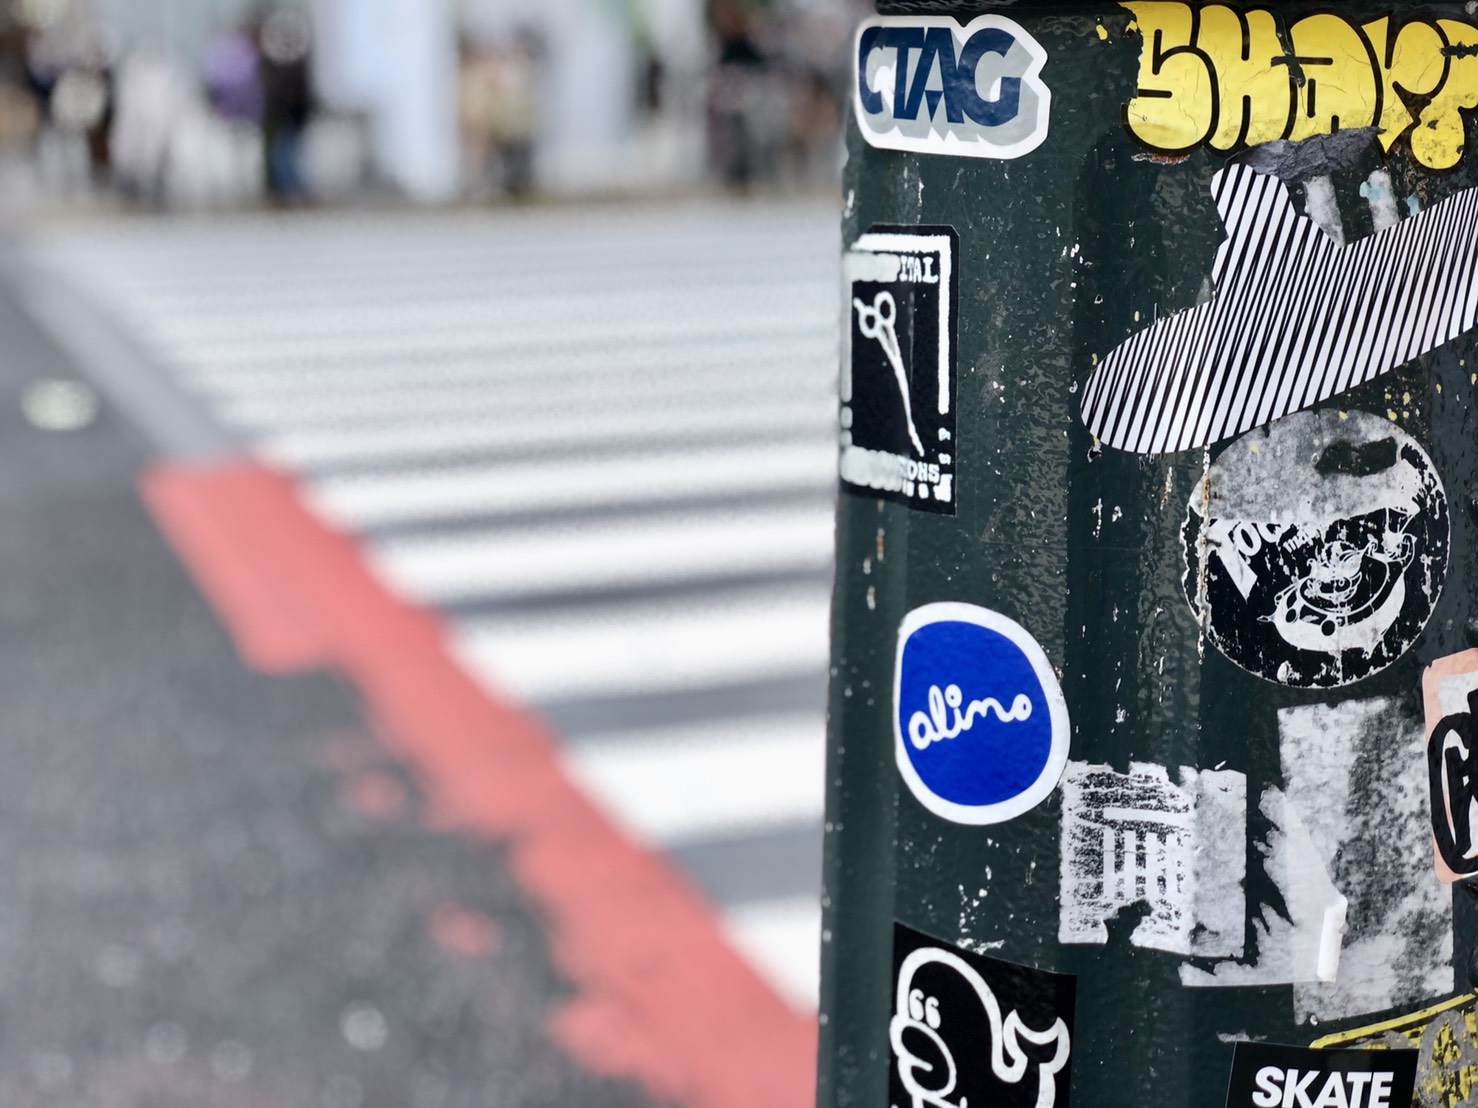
(600, 442)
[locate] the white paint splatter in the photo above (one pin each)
(1323, 208)
(1379, 194)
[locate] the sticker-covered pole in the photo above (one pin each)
(1152, 769)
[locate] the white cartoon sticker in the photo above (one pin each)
(971, 1030)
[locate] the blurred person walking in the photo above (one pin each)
(153, 98)
(20, 115)
(233, 78)
(498, 113)
(81, 106)
(735, 91)
(286, 42)
(477, 92)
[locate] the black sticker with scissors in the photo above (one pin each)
(898, 377)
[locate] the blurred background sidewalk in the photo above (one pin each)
(532, 306)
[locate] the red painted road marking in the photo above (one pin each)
(662, 998)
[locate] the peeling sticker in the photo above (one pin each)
(1445, 1037)
(1138, 838)
(1364, 929)
(969, 1030)
(1302, 943)
(928, 85)
(1317, 549)
(1450, 700)
(980, 723)
(898, 380)
(1266, 1075)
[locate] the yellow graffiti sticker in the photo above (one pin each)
(1227, 78)
(1446, 1035)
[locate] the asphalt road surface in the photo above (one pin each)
(598, 446)
(219, 890)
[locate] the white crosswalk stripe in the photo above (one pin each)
(426, 495)
(646, 781)
(650, 647)
(502, 563)
(600, 442)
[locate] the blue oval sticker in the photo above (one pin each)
(980, 722)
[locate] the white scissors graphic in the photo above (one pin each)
(877, 322)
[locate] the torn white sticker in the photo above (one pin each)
(1365, 929)
(1303, 945)
(1139, 838)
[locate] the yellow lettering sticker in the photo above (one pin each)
(1254, 92)
(1412, 65)
(1437, 140)
(1336, 74)
(1228, 78)
(1175, 106)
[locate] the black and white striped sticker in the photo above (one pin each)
(1295, 319)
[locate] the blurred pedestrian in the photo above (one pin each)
(516, 111)
(736, 88)
(153, 97)
(82, 99)
(20, 112)
(286, 43)
(497, 102)
(477, 92)
(233, 76)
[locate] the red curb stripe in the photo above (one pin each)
(662, 999)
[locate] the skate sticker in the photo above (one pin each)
(1450, 701)
(1316, 548)
(898, 371)
(928, 85)
(980, 724)
(970, 1030)
(1265, 1075)
(1295, 318)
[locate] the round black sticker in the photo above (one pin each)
(1316, 548)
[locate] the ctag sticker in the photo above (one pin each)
(1265, 1075)
(898, 379)
(970, 1030)
(980, 723)
(928, 85)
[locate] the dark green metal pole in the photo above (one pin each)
(1150, 765)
